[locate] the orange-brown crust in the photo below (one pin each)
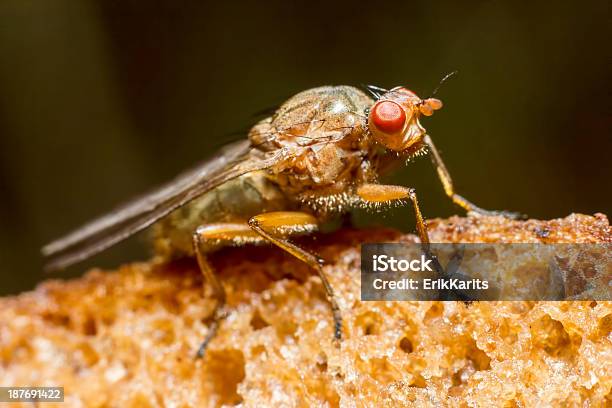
(127, 337)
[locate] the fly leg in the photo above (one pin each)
(380, 194)
(275, 227)
(206, 238)
(447, 183)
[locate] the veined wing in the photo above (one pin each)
(231, 162)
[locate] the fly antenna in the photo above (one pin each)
(447, 76)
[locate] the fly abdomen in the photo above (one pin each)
(234, 201)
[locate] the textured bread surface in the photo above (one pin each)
(127, 338)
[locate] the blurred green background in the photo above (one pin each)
(101, 100)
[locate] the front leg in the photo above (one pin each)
(380, 194)
(447, 183)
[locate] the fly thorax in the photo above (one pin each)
(325, 163)
(320, 166)
(262, 136)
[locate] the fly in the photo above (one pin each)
(318, 155)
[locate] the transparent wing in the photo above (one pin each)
(233, 161)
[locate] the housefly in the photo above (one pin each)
(319, 154)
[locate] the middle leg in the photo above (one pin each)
(276, 226)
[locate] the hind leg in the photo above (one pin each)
(213, 236)
(206, 238)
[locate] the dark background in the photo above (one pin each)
(100, 100)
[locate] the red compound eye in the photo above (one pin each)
(388, 117)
